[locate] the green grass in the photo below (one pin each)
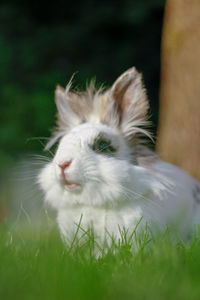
(35, 264)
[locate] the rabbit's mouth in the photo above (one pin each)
(71, 186)
(68, 184)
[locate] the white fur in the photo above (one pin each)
(114, 191)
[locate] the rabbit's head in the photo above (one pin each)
(97, 132)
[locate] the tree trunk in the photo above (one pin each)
(179, 125)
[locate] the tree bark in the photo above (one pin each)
(179, 122)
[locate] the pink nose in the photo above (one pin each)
(65, 165)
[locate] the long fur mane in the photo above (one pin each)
(123, 106)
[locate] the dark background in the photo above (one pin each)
(42, 45)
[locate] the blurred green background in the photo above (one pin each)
(42, 45)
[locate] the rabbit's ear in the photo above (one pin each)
(131, 102)
(66, 116)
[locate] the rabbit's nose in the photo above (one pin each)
(65, 165)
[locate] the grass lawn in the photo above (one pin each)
(35, 264)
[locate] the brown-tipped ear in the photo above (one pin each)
(131, 102)
(66, 117)
(128, 91)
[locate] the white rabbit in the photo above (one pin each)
(102, 172)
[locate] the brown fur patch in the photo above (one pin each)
(144, 157)
(81, 104)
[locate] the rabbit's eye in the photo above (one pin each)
(103, 146)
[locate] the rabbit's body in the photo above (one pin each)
(172, 210)
(101, 176)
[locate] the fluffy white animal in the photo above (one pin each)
(102, 172)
